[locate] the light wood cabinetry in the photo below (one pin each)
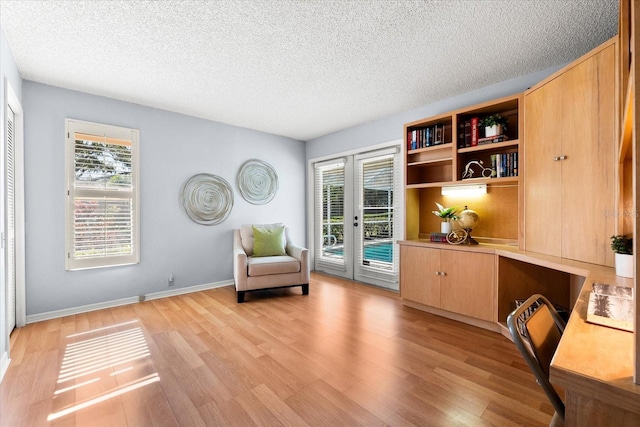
(419, 278)
(569, 159)
(457, 281)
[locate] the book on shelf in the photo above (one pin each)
(611, 305)
(492, 139)
(461, 134)
(438, 237)
(438, 137)
(467, 133)
(411, 141)
(475, 131)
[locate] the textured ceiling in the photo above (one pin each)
(301, 69)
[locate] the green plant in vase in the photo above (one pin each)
(623, 248)
(447, 215)
(494, 125)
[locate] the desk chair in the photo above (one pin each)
(536, 329)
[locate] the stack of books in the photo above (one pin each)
(438, 237)
(492, 139)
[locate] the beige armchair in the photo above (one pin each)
(267, 272)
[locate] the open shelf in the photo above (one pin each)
(428, 168)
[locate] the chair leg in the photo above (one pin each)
(240, 295)
(305, 289)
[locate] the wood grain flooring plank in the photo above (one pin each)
(276, 405)
(257, 411)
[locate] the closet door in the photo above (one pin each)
(543, 174)
(588, 170)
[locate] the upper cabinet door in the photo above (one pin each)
(543, 173)
(588, 171)
(570, 178)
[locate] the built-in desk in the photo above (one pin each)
(594, 364)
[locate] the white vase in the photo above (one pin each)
(624, 265)
(494, 130)
(445, 227)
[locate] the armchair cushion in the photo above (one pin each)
(268, 242)
(262, 266)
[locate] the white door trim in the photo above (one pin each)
(12, 102)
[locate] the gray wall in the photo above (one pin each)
(391, 128)
(9, 72)
(173, 147)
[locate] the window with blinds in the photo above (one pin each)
(102, 190)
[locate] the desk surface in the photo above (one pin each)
(594, 359)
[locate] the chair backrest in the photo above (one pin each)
(543, 328)
(246, 235)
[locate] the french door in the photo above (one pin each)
(357, 217)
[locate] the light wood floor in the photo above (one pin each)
(347, 354)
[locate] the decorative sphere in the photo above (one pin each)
(468, 219)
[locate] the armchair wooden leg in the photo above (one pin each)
(240, 296)
(305, 289)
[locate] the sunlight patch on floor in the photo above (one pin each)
(95, 362)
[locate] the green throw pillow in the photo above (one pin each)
(268, 241)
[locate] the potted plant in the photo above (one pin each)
(494, 125)
(623, 248)
(448, 215)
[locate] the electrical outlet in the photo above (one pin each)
(171, 279)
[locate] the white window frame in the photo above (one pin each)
(104, 131)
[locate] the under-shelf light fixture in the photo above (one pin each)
(464, 190)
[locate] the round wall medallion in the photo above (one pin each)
(206, 199)
(257, 182)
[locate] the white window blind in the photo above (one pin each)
(378, 181)
(102, 190)
(377, 212)
(329, 189)
(11, 219)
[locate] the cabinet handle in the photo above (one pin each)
(437, 273)
(556, 158)
(563, 157)
(442, 273)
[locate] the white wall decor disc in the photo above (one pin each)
(206, 199)
(257, 182)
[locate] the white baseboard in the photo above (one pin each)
(124, 301)
(4, 364)
(187, 290)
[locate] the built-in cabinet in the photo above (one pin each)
(460, 282)
(560, 202)
(569, 161)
